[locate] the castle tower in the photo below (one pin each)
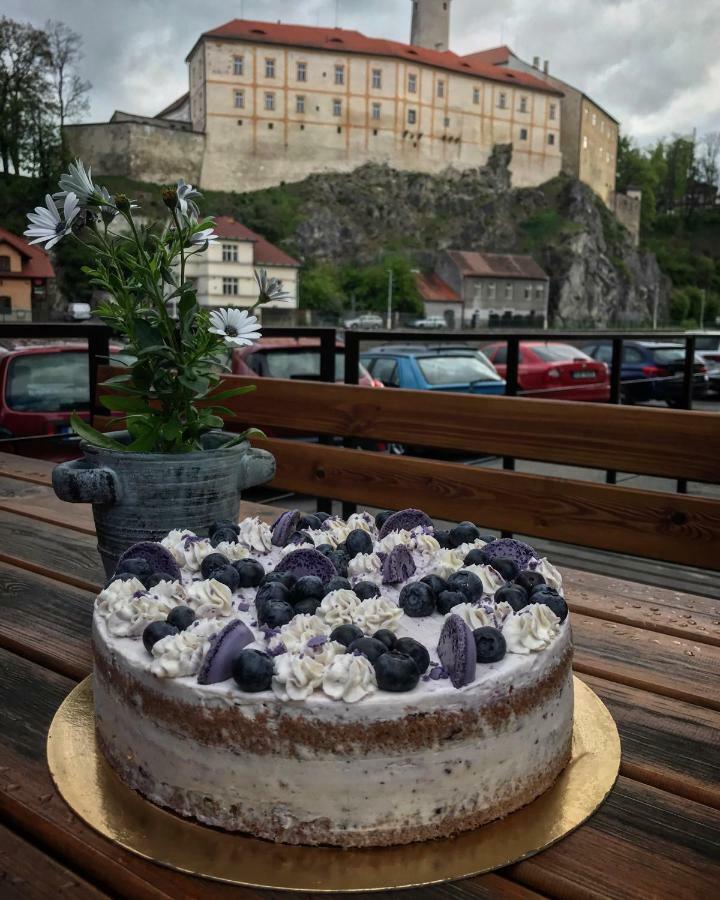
(430, 24)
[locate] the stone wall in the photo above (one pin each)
(627, 210)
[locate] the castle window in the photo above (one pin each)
(377, 78)
(446, 122)
(412, 83)
(523, 105)
(523, 134)
(302, 71)
(441, 88)
(551, 139)
(269, 68)
(376, 110)
(231, 287)
(502, 101)
(339, 74)
(337, 107)
(585, 142)
(240, 99)
(553, 110)
(607, 157)
(412, 116)
(238, 66)
(229, 252)
(269, 101)
(300, 104)
(594, 119)
(476, 95)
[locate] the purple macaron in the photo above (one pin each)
(457, 651)
(405, 520)
(398, 565)
(157, 557)
(224, 648)
(307, 562)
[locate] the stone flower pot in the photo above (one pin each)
(143, 496)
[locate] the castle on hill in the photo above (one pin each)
(270, 103)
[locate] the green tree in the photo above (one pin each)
(321, 289)
(370, 285)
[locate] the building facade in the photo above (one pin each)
(25, 270)
(224, 274)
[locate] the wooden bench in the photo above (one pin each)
(674, 444)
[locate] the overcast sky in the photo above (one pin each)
(653, 64)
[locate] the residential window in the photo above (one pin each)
(477, 290)
(502, 101)
(441, 88)
(269, 68)
(229, 252)
(4, 263)
(528, 292)
(376, 111)
(231, 287)
(553, 110)
(508, 290)
(238, 65)
(491, 291)
(300, 104)
(539, 292)
(412, 83)
(377, 78)
(337, 107)
(523, 105)
(523, 134)
(240, 99)
(339, 74)
(269, 101)
(551, 139)
(302, 71)
(476, 95)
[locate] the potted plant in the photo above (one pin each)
(172, 465)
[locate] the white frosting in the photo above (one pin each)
(349, 678)
(339, 607)
(365, 567)
(175, 543)
(395, 539)
(170, 590)
(183, 653)
(363, 521)
(128, 616)
(491, 580)
(530, 630)
(195, 552)
(297, 675)
(233, 550)
(426, 543)
(295, 635)
(473, 616)
(210, 599)
(378, 612)
(121, 590)
(552, 576)
(445, 562)
(291, 548)
(256, 535)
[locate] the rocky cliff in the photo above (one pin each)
(597, 276)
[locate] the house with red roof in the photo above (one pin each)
(225, 274)
(25, 271)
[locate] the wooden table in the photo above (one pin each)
(652, 655)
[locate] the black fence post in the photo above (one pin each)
(328, 341)
(352, 376)
(687, 392)
(98, 353)
(512, 367)
(615, 390)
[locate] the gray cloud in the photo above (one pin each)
(651, 63)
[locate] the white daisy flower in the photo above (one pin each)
(269, 288)
(235, 325)
(77, 181)
(46, 223)
(186, 196)
(200, 237)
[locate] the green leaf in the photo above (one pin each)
(85, 431)
(115, 380)
(239, 438)
(232, 392)
(124, 404)
(146, 335)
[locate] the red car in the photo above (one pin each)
(554, 371)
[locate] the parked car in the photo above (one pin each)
(651, 370)
(430, 322)
(365, 321)
(78, 312)
(291, 358)
(708, 349)
(433, 368)
(554, 371)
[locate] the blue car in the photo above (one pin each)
(433, 368)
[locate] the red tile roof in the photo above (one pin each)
(432, 287)
(496, 265)
(494, 56)
(340, 40)
(36, 262)
(265, 253)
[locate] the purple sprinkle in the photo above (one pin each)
(242, 606)
(426, 678)
(138, 594)
(253, 624)
(269, 632)
(278, 651)
(317, 641)
(191, 539)
(437, 672)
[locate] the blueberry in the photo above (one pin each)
(253, 671)
(346, 634)
(382, 517)
(228, 576)
(251, 572)
(155, 631)
(299, 537)
(325, 549)
(358, 541)
(155, 579)
(417, 599)
(443, 538)
(275, 613)
(415, 650)
(322, 516)
(554, 601)
(476, 558)
(284, 578)
(181, 617)
(542, 589)
(436, 584)
(306, 587)
(211, 562)
(513, 594)
(447, 599)
(309, 520)
(136, 566)
(224, 534)
(467, 583)
(366, 589)
(369, 647)
(271, 590)
(464, 533)
(222, 524)
(489, 643)
(396, 672)
(529, 580)
(340, 559)
(308, 607)
(336, 583)
(488, 538)
(120, 576)
(508, 568)
(387, 637)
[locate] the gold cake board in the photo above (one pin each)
(93, 791)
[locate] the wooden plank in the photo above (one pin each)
(672, 527)
(666, 743)
(27, 873)
(23, 468)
